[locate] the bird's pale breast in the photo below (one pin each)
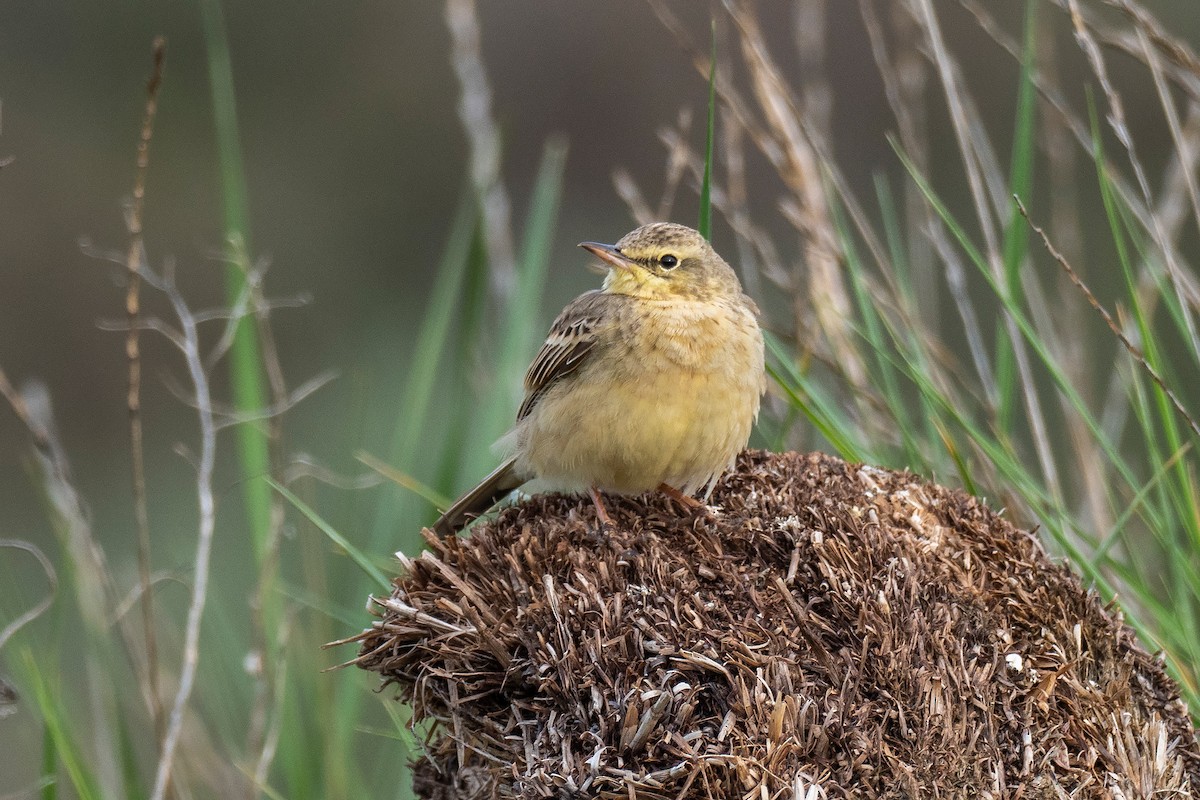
(671, 401)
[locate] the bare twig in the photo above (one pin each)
(1184, 152)
(628, 190)
(1133, 349)
(905, 76)
(206, 502)
(810, 31)
(1148, 216)
(212, 417)
(134, 259)
(738, 211)
(949, 78)
(278, 407)
(676, 140)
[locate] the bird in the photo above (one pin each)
(653, 381)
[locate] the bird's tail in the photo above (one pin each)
(490, 490)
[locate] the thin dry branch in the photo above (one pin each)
(206, 504)
(228, 415)
(212, 417)
(92, 580)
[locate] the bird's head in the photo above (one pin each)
(664, 261)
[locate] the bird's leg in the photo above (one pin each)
(601, 513)
(689, 503)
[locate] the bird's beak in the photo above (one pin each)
(609, 254)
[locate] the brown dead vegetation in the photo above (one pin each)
(831, 630)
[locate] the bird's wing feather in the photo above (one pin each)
(572, 337)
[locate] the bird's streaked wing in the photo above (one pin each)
(572, 337)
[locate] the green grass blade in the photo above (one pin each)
(1016, 234)
(431, 354)
(59, 729)
(49, 790)
(1133, 507)
(361, 559)
(806, 396)
(1182, 493)
(872, 329)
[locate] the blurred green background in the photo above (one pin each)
(355, 161)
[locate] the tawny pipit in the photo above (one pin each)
(652, 381)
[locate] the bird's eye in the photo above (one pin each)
(668, 261)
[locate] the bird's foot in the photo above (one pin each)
(689, 503)
(604, 522)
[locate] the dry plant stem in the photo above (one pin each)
(956, 280)
(190, 345)
(827, 290)
(738, 203)
(134, 259)
(483, 138)
(273, 728)
(1185, 142)
(1167, 215)
(1112, 324)
(738, 110)
(677, 161)
(598, 501)
(1187, 73)
(1174, 204)
(627, 189)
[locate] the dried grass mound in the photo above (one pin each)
(833, 631)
